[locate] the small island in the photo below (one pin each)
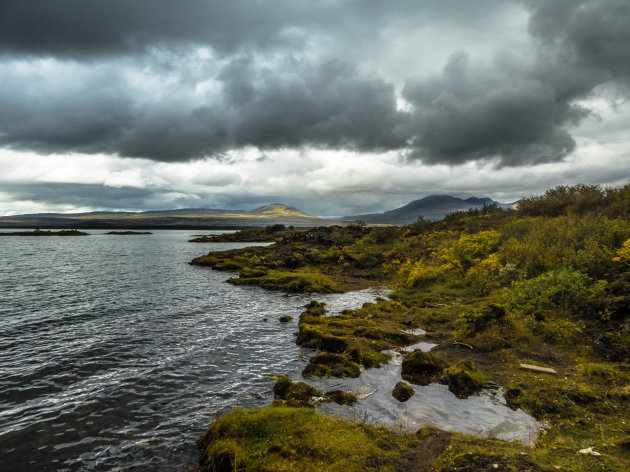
(38, 232)
(128, 233)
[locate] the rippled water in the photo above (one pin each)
(115, 353)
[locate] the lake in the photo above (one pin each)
(115, 353)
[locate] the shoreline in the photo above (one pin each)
(483, 340)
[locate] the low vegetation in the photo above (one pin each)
(547, 284)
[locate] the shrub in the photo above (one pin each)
(476, 321)
(623, 254)
(484, 276)
(566, 290)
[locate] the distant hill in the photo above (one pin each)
(433, 207)
(275, 213)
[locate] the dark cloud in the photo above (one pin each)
(590, 34)
(472, 113)
(321, 105)
(86, 28)
(81, 195)
(299, 74)
(520, 111)
(328, 105)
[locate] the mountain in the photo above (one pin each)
(275, 213)
(433, 207)
(278, 209)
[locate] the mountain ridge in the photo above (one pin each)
(432, 207)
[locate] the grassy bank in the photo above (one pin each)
(548, 285)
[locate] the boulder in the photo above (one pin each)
(294, 394)
(422, 368)
(328, 364)
(402, 391)
(463, 379)
(340, 397)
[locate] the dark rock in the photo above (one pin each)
(463, 379)
(340, 397)
(294, 394)
(402, 392)
(422, 368)
(286, 319)
(282, 386)
(512, 398)
(327, 364)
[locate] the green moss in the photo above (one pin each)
(289, 439)
(294, 394)
(285, 319)
(327, 364)
(282, 386)
(422, 368)
(296, 282)
(478, 320)
(463, 379)
(402, 391)
(249, 272)
(360, 334)
(340, 397)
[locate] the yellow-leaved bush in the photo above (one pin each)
(623, 254)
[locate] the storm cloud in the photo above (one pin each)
(329, 105)
(520, 110)
(270, 95)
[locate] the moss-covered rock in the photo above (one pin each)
(478, 320)
(294, 394)
(292, 282)
(282, 386)
(422, 368)
(285, 319)
(463, 379)
(316, 338)
(316, 308)
(327, 364)
(402, 391)
(340, 397)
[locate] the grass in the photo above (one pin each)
(292, 439)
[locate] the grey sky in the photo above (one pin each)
(335, 106)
